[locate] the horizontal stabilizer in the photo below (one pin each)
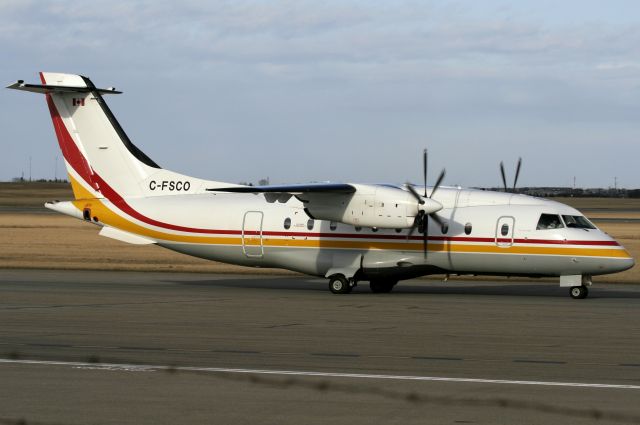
(48, 88)
(64, 207)
(122, 236)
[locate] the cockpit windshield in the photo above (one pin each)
(577, 222)
(549, 221)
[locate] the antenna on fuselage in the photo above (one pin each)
(515, 179)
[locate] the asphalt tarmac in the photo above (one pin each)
(162, 348)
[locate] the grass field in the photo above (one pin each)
(35, 240)
(590, 204)
(32, 195)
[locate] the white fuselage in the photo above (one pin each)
(245, 229)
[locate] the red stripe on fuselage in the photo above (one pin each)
(443, 238)
(119, 202)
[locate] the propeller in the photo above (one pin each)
(515, 179)
(427, 207)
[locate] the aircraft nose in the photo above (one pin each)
(628, 263)
(622, 264)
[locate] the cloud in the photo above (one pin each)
(343, 75)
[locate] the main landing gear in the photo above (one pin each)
(579, 292)
(339, 284)
(382, 286)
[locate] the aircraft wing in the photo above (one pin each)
(304, 192)
(383, 206)
(294, 189)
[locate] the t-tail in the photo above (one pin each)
(101, 160)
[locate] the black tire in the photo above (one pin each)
(338, 284)
(578, 292)
(382, 286)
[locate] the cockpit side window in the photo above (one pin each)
(577, 222)
(549, 221)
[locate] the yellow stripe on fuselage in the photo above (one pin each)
(109, 217)
(79, 192)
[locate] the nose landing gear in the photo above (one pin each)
(577, 284)
(579, 292)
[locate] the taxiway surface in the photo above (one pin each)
(119, 347)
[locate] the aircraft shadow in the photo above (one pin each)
(429, 288)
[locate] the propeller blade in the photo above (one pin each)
(416, 224)
(425, 234)
(437, 185)
(424, 166)
(415, 193)
(515, 180)
(504, 177)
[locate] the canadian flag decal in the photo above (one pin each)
(78, 102)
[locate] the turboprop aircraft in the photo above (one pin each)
(346, 232)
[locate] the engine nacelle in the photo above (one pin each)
(370, 206)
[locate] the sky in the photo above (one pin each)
(302, 91)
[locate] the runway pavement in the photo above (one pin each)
(116, 347)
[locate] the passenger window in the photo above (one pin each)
(398, 230)
(445, 228)
(310, 224)
(504, 230)
(358, 228)
(333, 225)
(468, 228)
(287, 223)
(549, 221)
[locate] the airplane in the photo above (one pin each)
(345, 232)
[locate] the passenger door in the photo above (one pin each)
(252, 234)
(504, 231)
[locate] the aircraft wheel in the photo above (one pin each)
(578, 292)
(338, 284)
(382, 286)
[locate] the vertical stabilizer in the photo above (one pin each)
(95, 147)
(101, 160)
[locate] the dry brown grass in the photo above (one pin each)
(32, 194)
(47, 241)
(617, 215)
(627, 204)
